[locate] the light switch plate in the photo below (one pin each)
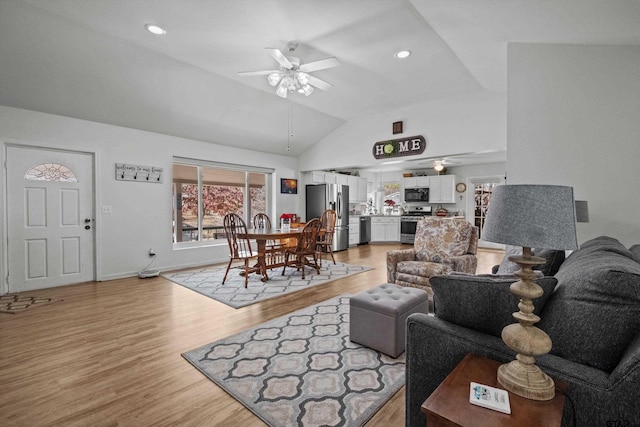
(107, 209)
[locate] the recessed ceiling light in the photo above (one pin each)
(401, 54)
(154, 29)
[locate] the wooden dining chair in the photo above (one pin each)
(261, 220)
(305, 251)
(325, 239)
(275, 249)
(239, 247)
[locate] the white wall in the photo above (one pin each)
(574, 119)
(469, 123)
(141, 216)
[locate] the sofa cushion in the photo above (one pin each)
(553, 260)
(635, 250)
(419, 271)
(594, 312)
(483, 302)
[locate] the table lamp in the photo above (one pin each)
(531, 216)
(582, 211)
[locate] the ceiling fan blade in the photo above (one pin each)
(257, 73)
(320, 84)
(279, 56)
(320, 65)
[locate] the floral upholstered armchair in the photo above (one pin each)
(441, 246)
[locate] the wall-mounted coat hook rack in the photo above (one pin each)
(128, 172)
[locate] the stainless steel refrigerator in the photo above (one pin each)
(331, 196)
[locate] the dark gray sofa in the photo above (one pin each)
(592, 316)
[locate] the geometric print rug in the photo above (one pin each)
(208, 282)
(302, 370)
(13, 303)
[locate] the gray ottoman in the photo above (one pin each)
(378, 316)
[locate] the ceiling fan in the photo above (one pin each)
(293, 76)
(440, 164)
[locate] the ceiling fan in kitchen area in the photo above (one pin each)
(293, 75)
(439, 164)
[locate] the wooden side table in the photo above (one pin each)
(449, 404)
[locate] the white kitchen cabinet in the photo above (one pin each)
(442, 189)
(354, 230)
(322, 177)
(416, 182)
(330, 178)
(357, 185)
(342, 179)
(409, 182)
(317, 177)
(362, 190)
(357, 189)
(353, 188)
(385, 229)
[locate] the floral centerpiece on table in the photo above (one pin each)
(285, 221)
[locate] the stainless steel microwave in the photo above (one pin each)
(416, 195)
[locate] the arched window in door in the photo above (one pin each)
(50, 172)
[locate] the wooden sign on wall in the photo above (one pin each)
(410, 146)
(138, 173)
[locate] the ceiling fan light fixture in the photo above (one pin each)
(293, 76)
(274, 78)
(155, 29)
(303, 78)
(438, 166)
(282, 89)
(306, 89)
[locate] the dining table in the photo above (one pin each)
(264, 235)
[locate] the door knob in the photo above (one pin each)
(87, 227)
(87, 220)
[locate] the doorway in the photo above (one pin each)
(481, 189)
(50, 218)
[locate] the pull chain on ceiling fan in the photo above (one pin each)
(294, 76)
(289, 128)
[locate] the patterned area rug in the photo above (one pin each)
(17, 303)
(302, 370)
(208, 282)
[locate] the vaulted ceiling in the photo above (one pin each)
(94, 60)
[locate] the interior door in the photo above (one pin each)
(50, 218)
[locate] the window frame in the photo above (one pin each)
(200, 164)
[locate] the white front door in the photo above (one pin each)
(50, 218)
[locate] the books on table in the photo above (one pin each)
(489, 397)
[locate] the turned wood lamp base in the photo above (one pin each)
(522, 376)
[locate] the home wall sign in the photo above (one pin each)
(126, 172)
(410, 146)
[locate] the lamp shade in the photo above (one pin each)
(536, 216)
(582, 211)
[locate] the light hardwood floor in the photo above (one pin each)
(109, 353)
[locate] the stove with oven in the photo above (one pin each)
(409, 221)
